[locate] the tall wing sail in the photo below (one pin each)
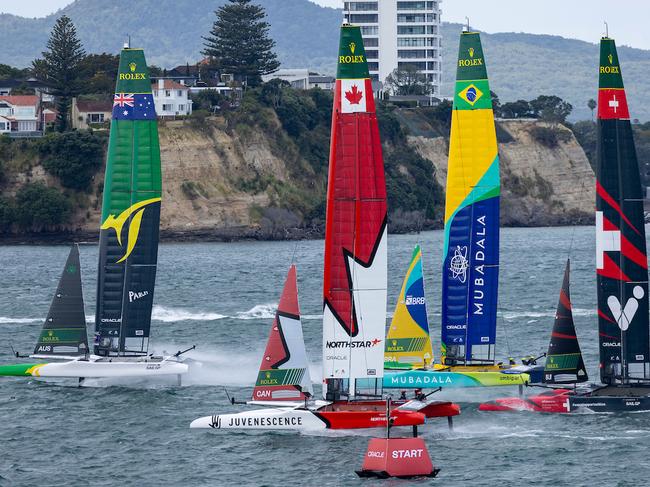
(128, 239)
(621, 260)
(564, 363)
(64, 331)
(470, 272)
(408, 344)
(284, 372)
(356, 269)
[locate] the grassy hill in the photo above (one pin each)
(520, 65)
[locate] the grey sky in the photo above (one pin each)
(580, 19)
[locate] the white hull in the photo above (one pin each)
(106, 369)
(263, 419)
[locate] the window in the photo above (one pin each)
(411, 29)
(3, 126)
(95, 118)
(420, 66)
(363, 18)
(372, 30)
(179, 93)
(410, 54)
(411, 18)
(168, 92)
(412, 5)
(431, 29)
(371, 42)
(411, 41)
(371, 55)
(360, 6)
(373, 66)
(181, 108)
(168, 107)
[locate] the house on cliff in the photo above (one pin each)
(21, 116)
(171, 98)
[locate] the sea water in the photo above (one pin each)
(221, 297)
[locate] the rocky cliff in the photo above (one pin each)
(223, 181)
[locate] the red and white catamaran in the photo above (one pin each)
(355, 282)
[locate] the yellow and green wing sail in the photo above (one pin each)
(471, 249)
(408, 344)
(128, 240)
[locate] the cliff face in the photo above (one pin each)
(541, 185)
(224, 183)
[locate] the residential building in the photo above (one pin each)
(397, 33)
(20, 115)
(90, 113)
(302, 79)
(42, 90)
(171, 98)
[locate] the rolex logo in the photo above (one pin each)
(611, 59)
(132, 67)
(268, 375)
(471, 52)
(353, 46)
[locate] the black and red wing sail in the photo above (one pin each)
(621, 261)
(564, 363)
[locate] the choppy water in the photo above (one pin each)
(221, 296)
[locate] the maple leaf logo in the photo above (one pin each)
(354, 95)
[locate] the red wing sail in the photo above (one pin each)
(284, 372)
(355, 271)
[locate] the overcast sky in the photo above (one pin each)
(580, 19)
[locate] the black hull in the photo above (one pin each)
(609, 404)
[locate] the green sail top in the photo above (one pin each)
(610, 69)
(352, 63)
(472, 88)
(133, 74)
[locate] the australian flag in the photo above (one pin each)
(133, 106)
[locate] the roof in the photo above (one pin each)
(321, 79)
(30, 83)
(101, 106)
(21, 100)
(170, 84)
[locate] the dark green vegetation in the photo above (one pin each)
(73, 158)
(239, 42)
(520, 66)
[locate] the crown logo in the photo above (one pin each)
(471, 52)
(353, 46)
(268, 375)
(132, 67)
(611, 59)
(50, 333)
(394, 343)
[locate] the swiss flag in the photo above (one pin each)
(612, 103)
(354, 95)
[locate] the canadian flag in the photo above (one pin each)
(354, 95)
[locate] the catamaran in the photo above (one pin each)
(355, 276)
(128, 247)
(471, 257)
(621, 262)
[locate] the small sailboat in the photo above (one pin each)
(564, 362)
(470, 274)
(128, 240)
(355, 276)
(621, 262)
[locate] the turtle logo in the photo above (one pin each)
(459, 264)
(611, 58)
(134, 212)
(471, 52)
(353, 46)
(132, 67)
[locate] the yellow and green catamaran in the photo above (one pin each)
(471, 254)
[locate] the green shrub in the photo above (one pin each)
(7, 213)
(73, 157)
(38, 206)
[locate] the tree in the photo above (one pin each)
(408, 81)
(552, 109)
(38, 206)
(239, 42)
(98, 72)
(592, 106)
(73, 157)
(516, 109)
(60, 65)
(7, 71)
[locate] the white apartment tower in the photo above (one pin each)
(397, 33)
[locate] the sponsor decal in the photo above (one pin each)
(135, 295)
(50, 337)
(606, 240)
(611, 344)
(352, 344)
(414, 453)
(459, 264)
(413, 300)
(153, 366)
(134, 214)
(625, 315)
(420, 380)
(44, 348)
(375, 454)
(352, 58)
(479, 256)
(111, 320)
(235, 422)
(132, 74)
(139, 333)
